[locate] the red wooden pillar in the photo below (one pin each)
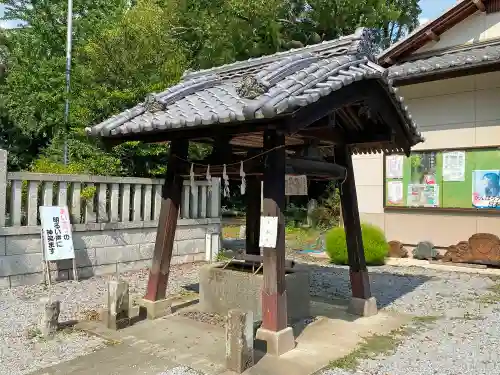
(274, 309)
(169, 212)
(360, 282)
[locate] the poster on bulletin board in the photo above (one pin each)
(486, 188)
(459, 179)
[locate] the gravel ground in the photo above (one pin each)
(181, 371)
(460, 341)
(214, 319)
(22, 352)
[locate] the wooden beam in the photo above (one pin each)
(432, 35)
(381, 103)
(306, 116)
(252, 196)
(194, 133)
(360, 282)
(324, 133)
(480, 5)
(251, 258)
(305, 166)
(274, 311)
(167, 224)
(221, 151)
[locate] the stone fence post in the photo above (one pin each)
(3, 186)
(239, 341)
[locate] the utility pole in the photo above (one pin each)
(69, 38)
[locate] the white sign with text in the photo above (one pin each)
(295, 184)
(56, 233)
(268, 231)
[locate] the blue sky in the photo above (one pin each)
(430, 9)
(433, 8)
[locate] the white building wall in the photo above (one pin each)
(478, 27)
(453, 113)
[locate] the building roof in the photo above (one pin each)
(261, 88)
(447, 60)
(430, 31)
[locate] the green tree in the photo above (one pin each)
(33, 89)
(393, 30)
(125, 49)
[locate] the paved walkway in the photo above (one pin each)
(151, 347)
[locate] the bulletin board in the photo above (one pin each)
(465, 179)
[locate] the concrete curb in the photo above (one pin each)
(409, 262)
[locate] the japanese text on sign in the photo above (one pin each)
(295, 185)
(56, 233)
(268, 231)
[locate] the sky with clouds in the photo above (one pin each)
(433, 8)
(430, 10)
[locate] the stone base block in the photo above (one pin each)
(278, 343)
(134, 312)
(156, 309)
(363, 307)
(224, 289)
(116, 322)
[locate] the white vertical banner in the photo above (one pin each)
(57, 241)
(56, 233)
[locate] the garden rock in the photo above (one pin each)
(397, 250)
(425, 251)
(458, 253)
(481, 248)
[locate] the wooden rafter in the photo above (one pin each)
(480, 5)
(432, 35)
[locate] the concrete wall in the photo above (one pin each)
(113, 227)
(460, 112)
(99, 248)
(478, 27)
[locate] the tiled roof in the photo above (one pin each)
(257, 88)
(465, 57)
(421, 35)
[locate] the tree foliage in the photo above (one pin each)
(124, 49)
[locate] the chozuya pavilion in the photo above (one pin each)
(304, 111)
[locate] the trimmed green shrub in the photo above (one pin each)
(374, 241)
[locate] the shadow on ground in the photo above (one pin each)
(333, 282)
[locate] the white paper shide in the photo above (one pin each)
(56, 233)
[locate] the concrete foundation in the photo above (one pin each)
(278, 343)
(363, 307)
(224, 289)
(157, 309)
